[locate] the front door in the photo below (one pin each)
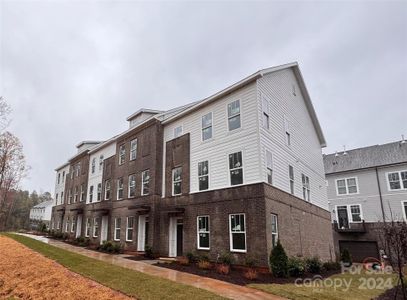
(343, 219)
(104, 228)
(78, 226)
(180, 240)
(175, 237)
(142, 236)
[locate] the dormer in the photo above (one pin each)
(140, 116)
(86, 145)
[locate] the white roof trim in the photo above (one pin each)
(143, 110)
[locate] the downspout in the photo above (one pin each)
(380, 195)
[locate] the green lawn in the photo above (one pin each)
(132, 283)
(348, 286)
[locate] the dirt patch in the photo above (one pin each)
(25, 274)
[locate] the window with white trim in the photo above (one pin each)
(119, 189)
(269, 167)
(91, 194)
(397, 180)
(132, 186)
(133, 149)
(116, 235)
(346, 186)
(122, 154)
(93, 165)
(236, 168)
(177, 131)
(129, 229)
(203, 175)
(87, 227)
(203, 232)
(99, 192)
(404, 207)
(73, 224)
(83, 192)
(274, 230)
(287, 131)
(234, 115)
(291, 177)
(237, 229)
(101, 162)
(107, 189)
(207, 126)
(356, 214)
(306, 191)
(69, 196)
(177, 181)
(95, 227)
(78, 169)
(145, 182)
(67, 225)
(76, 195)
(266, 113)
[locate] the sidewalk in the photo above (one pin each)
(221, 288)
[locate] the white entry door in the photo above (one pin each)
(78, 226)
(141, 233)
(172, 247)
(103, 233)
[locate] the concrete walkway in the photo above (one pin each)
(221, 288)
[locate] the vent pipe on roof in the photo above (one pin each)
(336, 154)
(344, 150)
(403, 141)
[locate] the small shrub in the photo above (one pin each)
(64, 236)
(192, 258)
(331, 266)
(346, 258)
(250, 274)
(204, 264)
(148, 252)
(223, 269)
(203, 257)
(183, 261)
(313, 265)
(250, 262)
(226, 259)
(110, 247)
(279, 261)
(296, 266)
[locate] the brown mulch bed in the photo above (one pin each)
(137, 257)
(26, 274)
(236, 274)
(390, 294)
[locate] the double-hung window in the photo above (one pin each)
(237, 226)
(404, 208)
(83, 192)
(234, 115)
(177, 131)
(274, 230)
(70, 196)
(177, 181)
(145, 182)
(78, 169)
(117, 222)
(122, 154)
(129, 229)
(132, 186)
(133, 149)
(306, 192)
(397, 180)
(91, 194)
(236, 168)
(291, 176)
(269, 167)
(203, 232)
(107, 189)
(356, 213)
(119, 188)
(207, 126)
(101, 161)
(59, 177)
(95, 227)
(76, 195)
(203, 175)
(73, 224)
(88, 226)
(93, 165)
(99, 195)
(62, 198)
(266, 113)
(67, 225)
(347, 186)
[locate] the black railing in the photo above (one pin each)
(351, 228)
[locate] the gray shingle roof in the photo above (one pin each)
(43, 204)
(367, 157)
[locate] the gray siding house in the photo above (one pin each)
(366, 186)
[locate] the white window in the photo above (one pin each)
(129, 229)
(177, 181)
(133, 149)
(82, 192)
(237, 232)
(67, 225)
(145, 182)
(397, 180)
(291, 176)
(132, 186)
(236, 168)
(177, 131)
(101, 162)
(306, 192)
(122, 154)
(76, 195)
(117, 222)
(269, 166)
(95, 227)
(274, 230)
(119, 188)
(234, 115)
(78, 169)
(59, 177)
(203, 175)
(404, 208)
(347, 186)
(69, 196)
(287, 131)
(91, 194)
(87, 229)
(355, 211)
(107, 189)
(266, 113)
(93, 165)
(99, 196)
(207, 126)
(73, 223)
(203, 232)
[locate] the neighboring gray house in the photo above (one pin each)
(366, 186)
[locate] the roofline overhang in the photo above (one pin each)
(367, 168)
(143, 110)
(88, 142)
(62, 166)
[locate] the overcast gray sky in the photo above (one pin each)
(74, 70)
